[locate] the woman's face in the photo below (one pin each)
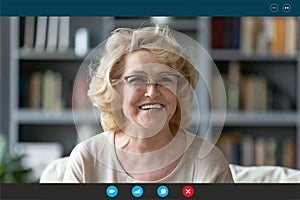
(148, 91)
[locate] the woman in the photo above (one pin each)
(143, 87)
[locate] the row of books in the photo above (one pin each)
(49, 91)
(256, 35)
(45, 90)
(46, 34)
(247, 149)
(248, 92)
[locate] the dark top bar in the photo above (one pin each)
(150, 7)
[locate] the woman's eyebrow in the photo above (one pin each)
(138, 72)
(145, 73)
(167, 72)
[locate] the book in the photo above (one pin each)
(278, 42)
(259, 151)
(290, 36)
(58, 102)
(52, 91)
(219, 92)
(48, 91)
(251, 86)
(224, 144)
(248, 35)
(228, 33)
(247, 153)
(29, 34)
(41, 33)
(247, 93)
(265, 35)
(35, 83)
(236, 31)
(288, 155)
(63, 34)
(229, 143)
(233, 90)
(52, 36)
(260, 87)
(217, 32)
(270, 151)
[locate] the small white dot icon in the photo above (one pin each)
(286, 7)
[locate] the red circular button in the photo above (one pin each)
(188, 191)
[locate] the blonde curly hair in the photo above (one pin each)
(159, 41)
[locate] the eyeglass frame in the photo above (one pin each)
(150, 81)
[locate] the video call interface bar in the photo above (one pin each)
(150, 191)
(150, 8)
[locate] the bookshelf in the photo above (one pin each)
(262, 121)
(280, 72)
(277, 123)
(30, 123)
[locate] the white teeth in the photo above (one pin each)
(152, 106)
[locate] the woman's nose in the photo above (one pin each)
(152, 90)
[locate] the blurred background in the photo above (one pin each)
(258, 58)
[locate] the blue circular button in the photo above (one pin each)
(137, 191)
(162, 191)
(286, 7)
(111, 191)
(274, 7)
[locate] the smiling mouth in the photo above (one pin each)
(151, 106)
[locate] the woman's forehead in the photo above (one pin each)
(144, 60)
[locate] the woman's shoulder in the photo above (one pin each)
(99, 138)
(94, 143)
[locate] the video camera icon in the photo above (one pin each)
(112, 191)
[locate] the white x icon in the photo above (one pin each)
(187, 191)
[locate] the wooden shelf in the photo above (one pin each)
(271, 119)
(44, 55)
(30, 116)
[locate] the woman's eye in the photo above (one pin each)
(137, 79)
(166, 80)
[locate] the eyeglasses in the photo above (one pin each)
(168, 81)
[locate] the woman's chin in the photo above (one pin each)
(146, 124)
(151, 127)
(156, 118)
